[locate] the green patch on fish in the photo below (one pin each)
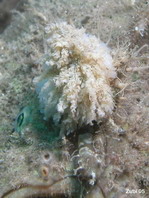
(23, 119)
(30, 117)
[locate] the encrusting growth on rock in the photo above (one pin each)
(74, 88)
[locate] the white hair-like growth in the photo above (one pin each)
(74, 88)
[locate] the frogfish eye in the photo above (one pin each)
(20, 119)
